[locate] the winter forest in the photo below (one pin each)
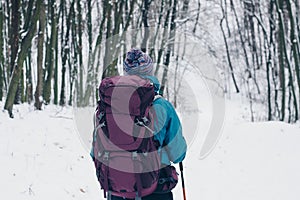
(57, 52)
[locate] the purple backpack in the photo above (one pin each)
(126, 158)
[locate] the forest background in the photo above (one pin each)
(57, 52)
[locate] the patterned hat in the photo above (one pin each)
(137, 63)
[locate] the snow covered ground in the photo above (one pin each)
(43, 157)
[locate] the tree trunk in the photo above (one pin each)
(197, 18)
(270, 61)
(47, 64)
(243, 44)
(40, 58)
(164, 40)
(25, 45)
(14, 34)
(20, 92)
(90, 71)
(146, 25)
(108, 70)
(297, 10)
(1, 81)
(66, 54)
(73, 64)
(285, 57)
(55, 86)
(170, 46)
(281, 41)
(289, 104)
(1, 50)
(295, 47)
(228, 52)
(50, 55)
(153, 40)
(80, 29)
(29, 89)
(98, 48)
(116, 38)
(14, 41)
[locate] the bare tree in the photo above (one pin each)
(227, 48)
(1, 51)
(40, 59)
(25, 45)
(49, 60)
(66, 55)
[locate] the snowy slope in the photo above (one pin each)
(43, 157)
(258, 161)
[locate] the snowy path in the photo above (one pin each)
(42, 157)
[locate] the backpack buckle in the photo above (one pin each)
(102, 124)
(145, 154)
(144, 121)
(100, 116)
(106, 156)
(139, 123)
(134, 155)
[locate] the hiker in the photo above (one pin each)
(166, 127)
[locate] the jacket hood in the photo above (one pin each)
(155, 82)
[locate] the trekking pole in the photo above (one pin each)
(182, 180)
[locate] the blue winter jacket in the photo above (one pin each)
(167, 128)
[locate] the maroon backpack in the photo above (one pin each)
(126, 158)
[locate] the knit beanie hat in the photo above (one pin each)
(137, 63)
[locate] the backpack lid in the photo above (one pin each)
(127, 94)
